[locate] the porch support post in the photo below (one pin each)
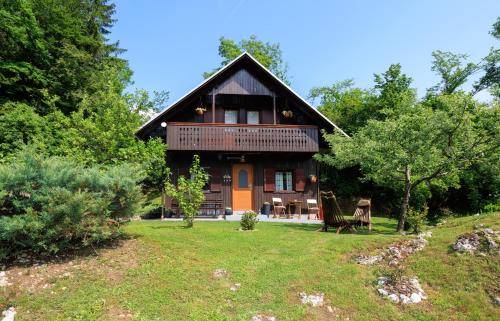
(213, 105)
(274, 108)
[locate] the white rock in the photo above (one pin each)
(219, 273)
(235, 287)
(260, 317)
(314, 300)
(415, 298)
(393, 297)
(383, 292)
(9, 314)
(382, 280)
(404, 299)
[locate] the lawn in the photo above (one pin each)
(165, 273)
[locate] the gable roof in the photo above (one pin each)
(244, 55)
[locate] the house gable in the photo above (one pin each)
(243, 76)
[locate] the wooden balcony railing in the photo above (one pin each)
(254, 138)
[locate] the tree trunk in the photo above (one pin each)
(162, 202)
(406, 200)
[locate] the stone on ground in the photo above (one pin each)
(260, 317)
(9, 314)
(219, 273)
(481, 241)
(313, 300)
(405, 291)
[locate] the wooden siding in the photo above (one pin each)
(255, 138)
(243, 83)
(218, 163)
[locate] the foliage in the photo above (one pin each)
(53, 204)
(348, 107)
(420, 145)
(492, 207)
(416, 219)
(189, 191)
(51, 51)
(452, 69)
(248, 221)
(268, 54)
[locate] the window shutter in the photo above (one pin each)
(269, 180)
(300, 180)
(215, 180)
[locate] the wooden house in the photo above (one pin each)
(255, 136)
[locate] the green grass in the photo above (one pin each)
(273, 264)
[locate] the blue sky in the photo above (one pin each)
(171, 43)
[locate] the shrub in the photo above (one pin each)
(416, 219)
(492, 207)
(248, 221)
(52, 204)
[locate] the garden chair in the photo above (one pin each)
(312, 206)
(363, 214)
(278, 207)
(332, 215)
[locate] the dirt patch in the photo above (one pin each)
(118, 313)
(33, 275)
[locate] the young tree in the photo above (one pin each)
(266, 53)
(420, 145)
(189, 190)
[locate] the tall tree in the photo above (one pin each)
(52, 51)
(268, 54)
(420, 145)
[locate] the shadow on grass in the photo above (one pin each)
(377, 229)
(29, 259)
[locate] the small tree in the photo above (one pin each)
(189, 190)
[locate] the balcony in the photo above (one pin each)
(240, 137)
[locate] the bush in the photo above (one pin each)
(492, 207)
(416, 219)
(52, 204)
(248, 221)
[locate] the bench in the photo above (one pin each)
(207, 208)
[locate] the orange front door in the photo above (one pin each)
(242, 187)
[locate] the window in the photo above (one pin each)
(242, 179)
(253, 117)
(230, 116)
(284, 180)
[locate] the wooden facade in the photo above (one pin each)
(255, 136)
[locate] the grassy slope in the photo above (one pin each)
(273, 265)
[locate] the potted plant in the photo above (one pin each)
(228, 211)
(287, 113)
(266, 208)
(200, 110)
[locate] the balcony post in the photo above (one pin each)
(274, 108)
(213, 105)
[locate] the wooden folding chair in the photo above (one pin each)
(278, 207)
(312, 206)
(332, 215)
(363, 214)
